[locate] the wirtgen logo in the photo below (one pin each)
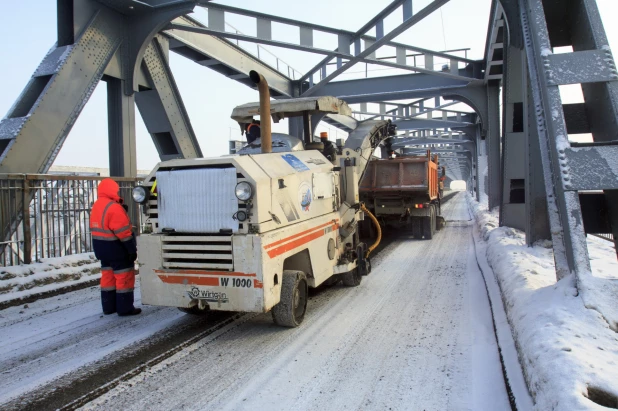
(210, 296)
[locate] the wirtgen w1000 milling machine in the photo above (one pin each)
(252, 231)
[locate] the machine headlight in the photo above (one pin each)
(140, 194)
(244, 191)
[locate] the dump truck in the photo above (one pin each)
(251, 232)
(404, 192)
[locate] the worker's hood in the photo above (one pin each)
(108, 188)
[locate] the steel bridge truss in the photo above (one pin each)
(525, 165)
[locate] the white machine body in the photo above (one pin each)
(199, 252)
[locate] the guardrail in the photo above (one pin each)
(44, 216)
(608, 237)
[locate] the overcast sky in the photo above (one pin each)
(29, 31)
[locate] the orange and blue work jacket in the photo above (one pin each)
(110, 227)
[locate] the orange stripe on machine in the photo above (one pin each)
(212, 281)
(186, 280)
(271, 245)
(322, 230)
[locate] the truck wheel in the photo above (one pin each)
(433, 220)
(428, 227)
(416, 228)
(352, 278)
(293, 302)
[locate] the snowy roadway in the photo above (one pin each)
(416, 334)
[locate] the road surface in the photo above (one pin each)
(416, 334)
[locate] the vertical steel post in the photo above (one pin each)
(121, 130)
(25, 202)
(493, 146)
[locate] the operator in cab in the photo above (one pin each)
(114, 245)
(252, 131)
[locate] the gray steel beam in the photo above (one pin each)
(390, 88)
(35, 128)
(162, 108)
(537, 218)
(566, 222)
(493, 147)
(402, 142)
(346, 57)
(425, 123)
(226, 58)
(512, 196)
(121, 130)
(411, 21)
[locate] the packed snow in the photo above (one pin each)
(416, 334)
(568, 351)
(49, 274)
(49, 338)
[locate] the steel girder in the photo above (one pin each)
(402, 142)
(226, 58)
(427, 123)
(382, 38)
(112, 35)
(567, 168)
(524, 204)
(35, 128)
(162, 108)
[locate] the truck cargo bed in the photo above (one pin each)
(401, 176)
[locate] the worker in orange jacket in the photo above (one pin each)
(252, 131)
(114, 244)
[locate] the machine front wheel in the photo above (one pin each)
(292, 306)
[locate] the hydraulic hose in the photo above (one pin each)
(379, 230)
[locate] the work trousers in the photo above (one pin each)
(117, 284)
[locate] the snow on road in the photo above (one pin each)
(416, 334)
(568, 350)
(58, 335)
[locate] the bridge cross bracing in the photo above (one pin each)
(512, 149)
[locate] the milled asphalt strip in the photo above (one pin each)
(516, 386)
(216, 331)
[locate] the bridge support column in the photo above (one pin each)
(121, 130)
(493, 146)
(162, 108)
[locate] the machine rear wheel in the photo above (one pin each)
(292, 306)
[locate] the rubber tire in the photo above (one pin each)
(194, 311)
(434, 220)
(417, 231)
(428, 225)
(292, 306)
(352, 278)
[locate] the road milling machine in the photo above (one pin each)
(251, 232)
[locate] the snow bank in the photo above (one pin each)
(568, 352)
(51, 273)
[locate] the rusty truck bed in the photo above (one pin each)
(401, 176)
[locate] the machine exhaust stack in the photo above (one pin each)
(265, 129)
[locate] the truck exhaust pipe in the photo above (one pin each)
(265, 125)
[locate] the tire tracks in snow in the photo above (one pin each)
(340, 356)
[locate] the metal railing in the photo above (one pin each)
(44, 216)
(608, 237)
